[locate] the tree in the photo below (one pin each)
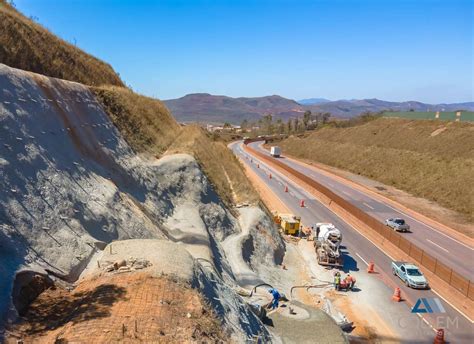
(289, 125)
(326, 116)
(245, 124)
(306, 118)
(280, 126)
(227, 125)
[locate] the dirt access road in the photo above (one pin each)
(359, 250)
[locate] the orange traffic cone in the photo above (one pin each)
(397, 295)
(302, 203)
(270, 176)
(286, 188)
(439, 339)
(370, 268)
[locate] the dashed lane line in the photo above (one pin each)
(431, 242)
(368, 206)
(358, 255)
(389, 256)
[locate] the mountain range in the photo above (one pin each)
(218, 109)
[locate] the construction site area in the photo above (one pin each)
(119, 224)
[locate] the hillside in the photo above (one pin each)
(429, 159)
(88, 163)
(73, 183)
(207, 108)
(29, 46)
(351, 108)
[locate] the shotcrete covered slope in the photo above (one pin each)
(70, 184)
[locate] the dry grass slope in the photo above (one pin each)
(145, 122)
(219, 164)
(148, 127)
(429, 159)
(29, 46)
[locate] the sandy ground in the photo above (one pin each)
(127, 307)
(300, 261)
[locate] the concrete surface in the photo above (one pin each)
(358, 251)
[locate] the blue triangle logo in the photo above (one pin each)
(417, 308)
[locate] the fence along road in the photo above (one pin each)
(357, 252)
(421, 256)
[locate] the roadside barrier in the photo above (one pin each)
(286, 188)
(370, 268)
(302, 203)
(447, 274)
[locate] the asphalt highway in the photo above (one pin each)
(359, 251)
(452, 252)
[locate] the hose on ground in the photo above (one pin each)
(307, 287)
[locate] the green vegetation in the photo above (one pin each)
(27, 45)
(429, 159)
(267, 125)
(448, 116)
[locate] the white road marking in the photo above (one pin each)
(389, 256)
(424, 224)
(399, 212)
(426, 322)
(362, 259)
(331, 185)
(449, 303)
(368, 206)
(348, 194)
(437, 245)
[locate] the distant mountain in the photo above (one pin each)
(311, 101)
(207, 108)
(351, 108)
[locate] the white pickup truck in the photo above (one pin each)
(410, 274)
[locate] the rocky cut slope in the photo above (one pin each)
(71, 184)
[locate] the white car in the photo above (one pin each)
(398, 224)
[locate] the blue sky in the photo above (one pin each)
(387, 49)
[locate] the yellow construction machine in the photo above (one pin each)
(289, 223)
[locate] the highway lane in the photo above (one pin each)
(455, 254)
(359, 251)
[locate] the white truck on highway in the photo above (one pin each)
(410, 274)
(275, 151)
(327, 243)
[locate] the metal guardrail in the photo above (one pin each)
(454, 279)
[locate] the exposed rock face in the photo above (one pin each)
(70, 185)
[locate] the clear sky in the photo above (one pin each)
(387, 49)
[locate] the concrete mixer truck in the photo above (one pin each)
(326, 243)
